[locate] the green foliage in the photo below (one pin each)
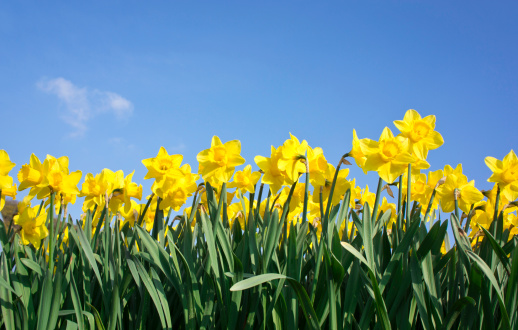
(272, 274)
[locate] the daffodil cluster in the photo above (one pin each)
(114, 194)
(391, 155)
(110, 189)
(174, 183)
(50, 176)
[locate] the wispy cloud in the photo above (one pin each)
(81, 104)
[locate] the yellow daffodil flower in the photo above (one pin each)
(33, 225)
(357, 153)
(161, 164)
(6, 182)
(341, 186)
(56, 177)
(505, 173)
(317, 166)
(11, 192)
(31, 175)
(389, 157)
(273, 175)
(217, 164)
(293, 152)
(420, 132)
(245, 180)
(123, 195)
(468, 194)
(386, 207)
(367, 197)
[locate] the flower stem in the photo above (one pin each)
(408, 191)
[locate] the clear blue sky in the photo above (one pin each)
(107, 83)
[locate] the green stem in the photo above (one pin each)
(400, 202)
(377, 202)
(408, 192)
(455, 193)
(429, 208)
(51, 231)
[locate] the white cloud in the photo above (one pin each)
(82, 104)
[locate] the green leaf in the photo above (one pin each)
(302, 295)
(498, 250)
(487, 271)
(32, 265)
(5, 296)
(151, 290)
(455, 311)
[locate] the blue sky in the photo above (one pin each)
(107, 83)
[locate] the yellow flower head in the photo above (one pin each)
(386, 207)
(419, 188)
(341, 186)
(467, 193)
(217, 164)
(357, 153)
(389, 157)
(176, 187)
(420, 132)
(245, 180)
(5, 163)
(53, 175)
(124, 191)
(33, 225)
(317, 167)
(161, 164)
(129, 215)
(505, 173)
(293, 152)
(367, 197)
(11, 192)
(273, 175)
(30, 175)
(6, 182)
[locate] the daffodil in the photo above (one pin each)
(273, 175)
(505, 173)
(11, 192)
(293, 152)
(467, 193)
(176, 187)
(389, 157)
(217, 164)
(317, 166)
(367, 197)
(5, 163)
(245, 180)
(235, 212)
(418, 189)
(56, 177)
(33, 225)
(388, 207)
(97, 188)
(123, 195)
(6, 182)
(357, 153)
(160, 165)
(31, 175)
(129, 215)
(420, 132)
(341, 186)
